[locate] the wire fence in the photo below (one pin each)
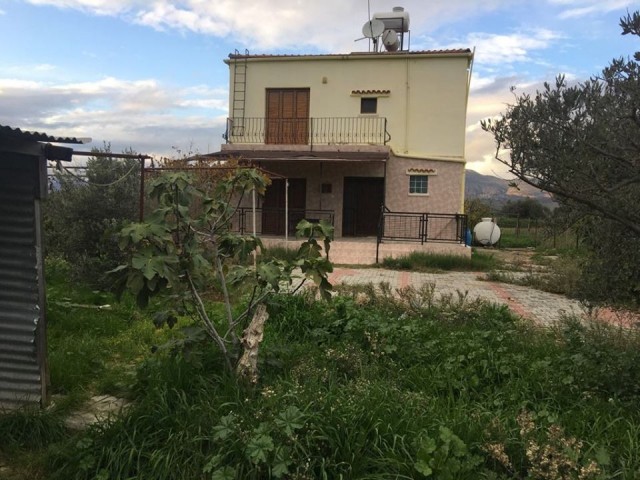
(522, 232)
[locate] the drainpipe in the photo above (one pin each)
(406, 107)
(464, 148)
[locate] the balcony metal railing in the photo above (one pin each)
(308, 131)
(271, 221)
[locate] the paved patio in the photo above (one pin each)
(362, 251)
(541, 307)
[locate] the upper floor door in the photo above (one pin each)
(287, 121)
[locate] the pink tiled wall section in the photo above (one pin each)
(445, 188)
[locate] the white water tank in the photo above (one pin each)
(390, 40)
(397, 20)
(486, 232)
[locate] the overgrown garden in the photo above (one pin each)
(368, 385)
(245, 366)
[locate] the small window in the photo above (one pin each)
(326, 188)
(368, 105)
(419, 184)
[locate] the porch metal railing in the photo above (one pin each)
(308, 131)
(420, 227)
(271, 221)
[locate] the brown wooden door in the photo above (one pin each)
(287, 121)
(273, 206)
(363, 199)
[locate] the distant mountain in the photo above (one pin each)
(498, 191)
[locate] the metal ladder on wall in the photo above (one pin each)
(239, 93)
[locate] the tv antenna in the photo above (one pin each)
(372, 29)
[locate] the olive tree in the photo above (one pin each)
(582, 144)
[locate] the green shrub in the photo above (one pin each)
(419, 261)
(81, 219)
(376, 383)
(30, 427)
(279, 253)
(562, 276)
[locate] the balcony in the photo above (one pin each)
(308, 131)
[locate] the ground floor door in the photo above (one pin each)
(363, 199)
(273, 206)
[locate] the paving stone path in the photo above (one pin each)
(541, 307)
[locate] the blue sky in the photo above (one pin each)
(149, 74)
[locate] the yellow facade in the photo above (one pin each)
(425, 107)
(421, 101)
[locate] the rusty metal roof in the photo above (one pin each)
(18, 134)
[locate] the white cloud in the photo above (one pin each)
(494, 50)
(98, 7)
(490, 101)
(330, 25)
(580, 8)
(143, 114)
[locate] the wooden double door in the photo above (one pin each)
(287, 121)
(363, 200)
(273, 206)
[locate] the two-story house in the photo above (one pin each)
(348, 136)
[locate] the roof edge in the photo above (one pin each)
(461, 52)
(18, 134)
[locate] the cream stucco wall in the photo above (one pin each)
(425, 109)
(423, 96)
(332, 173)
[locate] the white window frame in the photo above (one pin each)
(413, 176)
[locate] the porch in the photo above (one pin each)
(398, 233)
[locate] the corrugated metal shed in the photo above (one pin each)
(21, 374)
(23, 365)
(23, 135)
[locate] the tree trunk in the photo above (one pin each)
(252, 336)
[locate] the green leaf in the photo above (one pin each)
(280, 468)
(237, 274)
(135, 282)
(213, 462)
(269, 273)
(225, 428)
(290, 419)
(225, 473)
(602, 456)
(424, 468)
(259, 448)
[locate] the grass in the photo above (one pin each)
(91, 351)
(560, 275)
(511, 238)
(419, 261)
(371, 385)
(279, 253)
